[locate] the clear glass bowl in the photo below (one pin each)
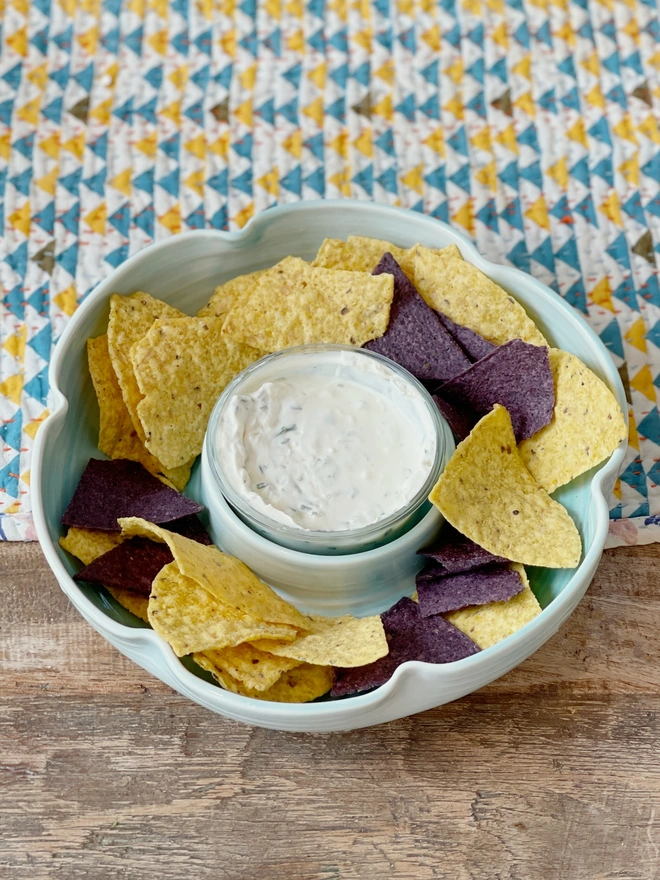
(280, 365)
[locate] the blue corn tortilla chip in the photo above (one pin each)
(190, 527)
(456, 553)
(415, 338)
(133, 564)
(109, 490)
(472, 343)
(516, 375)
(461, 420)
(410, 637)
(451, 592)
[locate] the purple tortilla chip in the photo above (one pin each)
(410, 637)
(415, 337)
(471, 588)
(472, 343)
(190, 527)
(109, 490)
(461, 420)
(132, 565)
(456, 553)
(516, 375)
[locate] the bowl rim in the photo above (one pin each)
(138, 639)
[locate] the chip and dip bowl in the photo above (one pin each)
(184, 271)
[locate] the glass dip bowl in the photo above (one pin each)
(381, 379)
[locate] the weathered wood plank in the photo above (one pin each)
(550, 772)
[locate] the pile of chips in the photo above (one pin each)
(143, 542)
(529, 419)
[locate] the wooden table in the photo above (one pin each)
(551, 772)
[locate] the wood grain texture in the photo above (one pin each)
(550, 772)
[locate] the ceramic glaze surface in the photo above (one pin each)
(184, 271)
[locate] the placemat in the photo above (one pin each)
(532, 126)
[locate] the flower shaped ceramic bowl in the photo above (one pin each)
(183, 271)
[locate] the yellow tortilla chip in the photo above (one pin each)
(335, 641)
(463, 293)
(487, 493)
(586, 428)
(295, 304)
(362, 254)
(137, 605)
(228, 294)
(254, 668)
(181, 366)
(117, 436)
(405, 257)
(190, 619)
(88, 544)
(489, 624)
(238, 590)
(299, 685)
(130, 318)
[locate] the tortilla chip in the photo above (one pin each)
(487, 493)
(456, 553)
(231, 583)
(190, 619)
(295, 304)
(516, 375)
(460, 419)
(299, 685)
(335, 641)
(586, 428)
(181, 366)
(229, 294)
(108, 490)
(255, 669)
(362, 254)
(130, 318)
(467, 296)
(415, 338)
(449, 592)
(410, 637)
(117, 436)
(131, 566)
(473, 344)
(137, 605)
(488, 624)
(88, 544)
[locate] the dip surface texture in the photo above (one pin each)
(333, 441)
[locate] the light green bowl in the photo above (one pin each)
(183, 271)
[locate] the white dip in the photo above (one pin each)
(332, 441)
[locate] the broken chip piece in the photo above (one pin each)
(451, 592)
(587, 426)
(410, 637)
(415, 337)
(111, 489)
(488, 495)
(517, 376)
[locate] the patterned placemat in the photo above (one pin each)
(532, 126)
